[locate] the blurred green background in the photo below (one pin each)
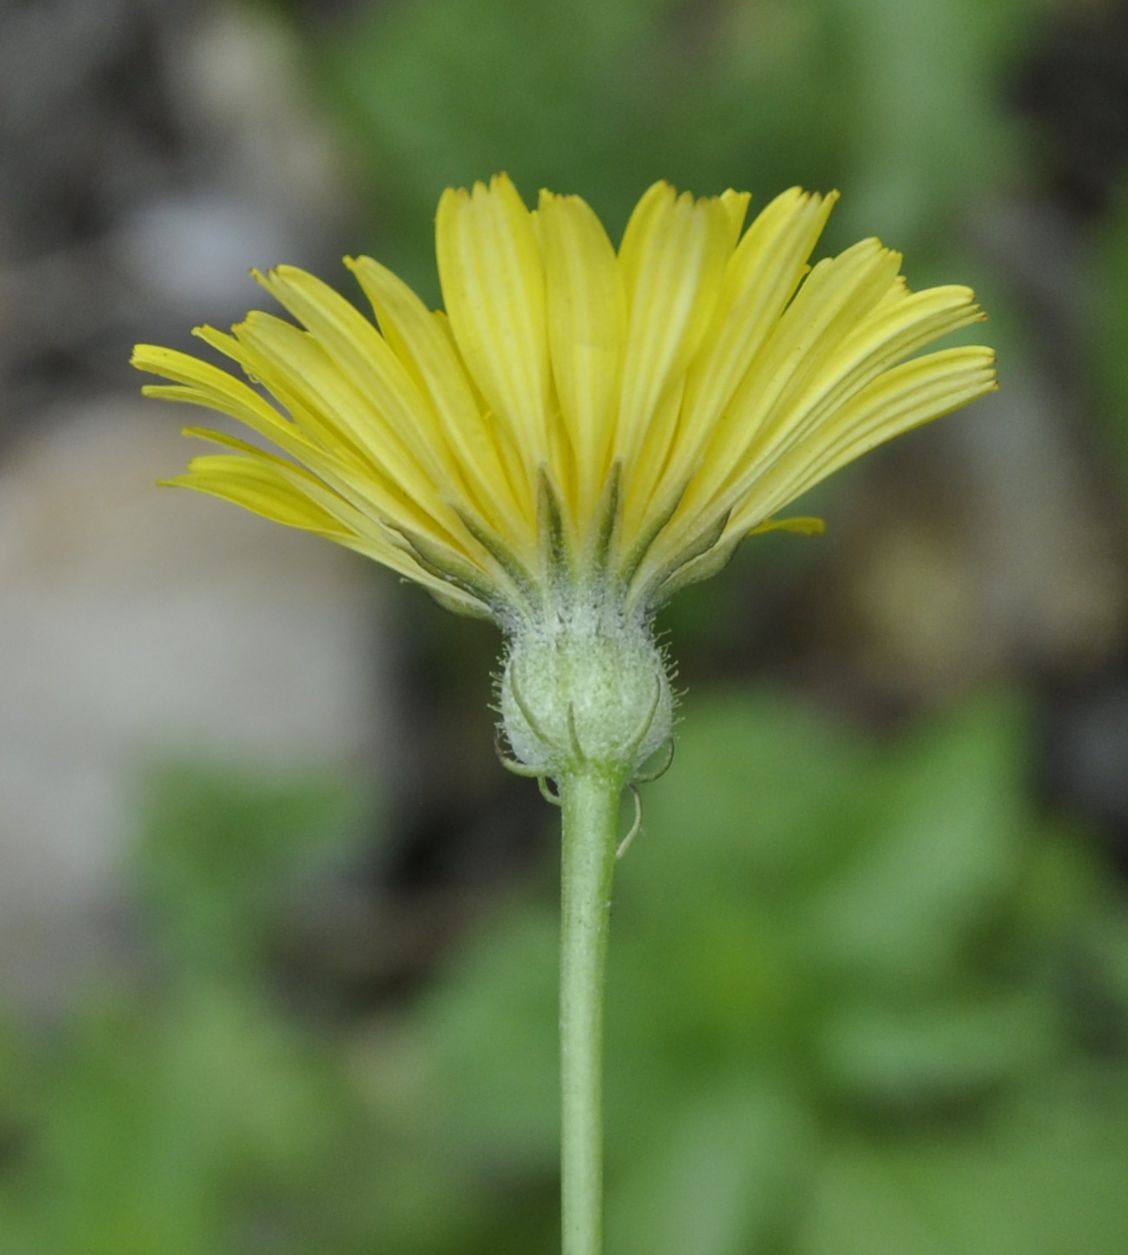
(277, 935)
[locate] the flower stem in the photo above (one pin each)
(590, 803)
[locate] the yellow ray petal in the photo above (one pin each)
(209, 386)
(761, 278)
(893, 332)
(673, 255)
(736, 206)
(276, 491)
(354, 351)
(260, 484)
(273, 371)
(334, 498)
(909, 395)
(837, 294)
(365, 375)
(586, 329)
(834, 298)
(369, 489)
(483, 449)
(492, 278)
(801, 525)
(202, 384)
(296, 368)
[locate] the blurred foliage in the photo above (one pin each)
(900, 106)
(1108, 323)
(863, 998)
(859, 1000)
(187, 1115)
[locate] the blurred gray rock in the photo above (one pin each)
(153, 151)
(137, 624)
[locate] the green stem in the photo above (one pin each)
(590, 802)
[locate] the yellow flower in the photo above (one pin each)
(584, 430)
(582, 422)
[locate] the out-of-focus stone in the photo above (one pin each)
(989, 557)
(138, 624)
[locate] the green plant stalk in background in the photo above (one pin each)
(590, 806)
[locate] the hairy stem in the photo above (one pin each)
(590, 802)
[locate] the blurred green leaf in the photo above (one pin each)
(933, 840)
(501, 993)
(1044, 1174)
(177, 1131)
(903, 108)
(726, 1176)
(863, 997)
(930, 133)
(819, 943)
(223, 849)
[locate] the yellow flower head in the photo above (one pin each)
(584, 430)
(580, 417)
